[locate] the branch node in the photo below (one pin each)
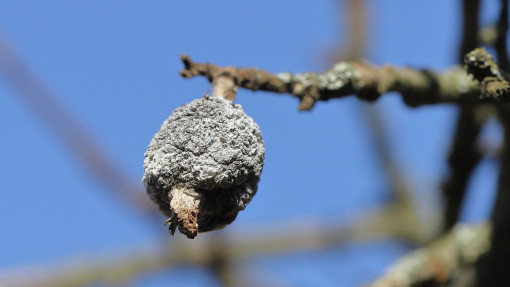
(482, 67)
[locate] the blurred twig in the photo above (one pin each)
(401, 189)
(443, 261)
(470, 19)
(488, 35)
(463, 156)
(502, 30)
(302, 235)
(356, 18)
(45, 104)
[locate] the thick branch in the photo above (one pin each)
(470, 20)
(441, 262)
(464, 155)
(417, 87)
(493, 270)
(502, 29)
(462, 160)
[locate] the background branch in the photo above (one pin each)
(502, 30)
(441, 262)
(463, 158)
(45, 104)
(464, 155)
(493, 269)
(219, 251)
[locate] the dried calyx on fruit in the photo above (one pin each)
(203, 165)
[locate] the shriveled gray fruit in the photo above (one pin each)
(203, 165)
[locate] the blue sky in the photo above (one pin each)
(114, 65)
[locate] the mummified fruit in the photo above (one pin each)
(203, 165)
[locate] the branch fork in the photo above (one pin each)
(482, 67)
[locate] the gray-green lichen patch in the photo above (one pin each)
(335, 78)
(212, 147)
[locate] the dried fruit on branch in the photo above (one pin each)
(203, 165)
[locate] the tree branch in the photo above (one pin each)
(470, 20)
(417, 87)
(44, 103)
(220, 251)
(502, 30)
(464, 155)
(493, 269)
(441, 262)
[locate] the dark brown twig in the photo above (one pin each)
(470, 19)
(463, 156)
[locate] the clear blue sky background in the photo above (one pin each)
(115, 65)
